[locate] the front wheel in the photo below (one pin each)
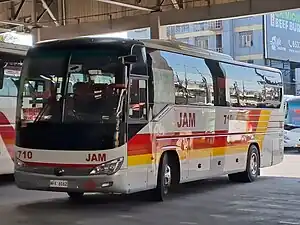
(164, 179)
(252, 168)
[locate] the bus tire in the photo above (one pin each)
(252, 168)
(163, 179)
(75, 195)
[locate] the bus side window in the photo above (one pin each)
(12, 88)
(4, 91)
(138, 99)
(1, 75)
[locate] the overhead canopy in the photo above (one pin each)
(12, 52)
(9, 57)
(105, 16)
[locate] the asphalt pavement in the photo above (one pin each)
(273, 199)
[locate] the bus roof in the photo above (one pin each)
(184, 48)
(291, 98)
(167, 45)
(77, 41)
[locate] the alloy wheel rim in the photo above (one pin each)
(253, 164)
(167, 178)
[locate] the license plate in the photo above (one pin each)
(59, 183)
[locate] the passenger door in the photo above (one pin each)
(222, 118)
(139, 143)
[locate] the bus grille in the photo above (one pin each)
(51, 171)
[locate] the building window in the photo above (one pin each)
(215, 25)
(219, 44)
(197, 27)
(201, 42)
(183, 40)
(186, 28)
(246, 39)
(171, 31)
(219, 40)
(179, 29)
(251, 61)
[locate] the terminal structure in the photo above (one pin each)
(51, 19)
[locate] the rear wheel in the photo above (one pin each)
(164, 179)
(252, 169)
(75, 195)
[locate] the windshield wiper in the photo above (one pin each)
(41, 113)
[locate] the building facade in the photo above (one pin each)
(272, 40)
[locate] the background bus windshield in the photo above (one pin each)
(293, 113)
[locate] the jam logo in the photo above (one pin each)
(100, 157)
(186, 120)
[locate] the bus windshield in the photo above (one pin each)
(70, 98)
(293, 113)
(71, 86)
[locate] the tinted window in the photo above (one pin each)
(198, 81)
(192, 79)
(138, 99)
(9, 88)
(245, 88)
(161, 76)
(272, 88)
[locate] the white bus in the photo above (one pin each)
(11, 57)
(113, 115)
(292, 122)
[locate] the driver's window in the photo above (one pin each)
(138, 99)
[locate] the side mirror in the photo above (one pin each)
(1, 74)
(128, 59)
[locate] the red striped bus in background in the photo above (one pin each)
(11, 58)
(8, 103)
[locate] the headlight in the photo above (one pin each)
(108, 168)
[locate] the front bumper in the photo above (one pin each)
(97, 183)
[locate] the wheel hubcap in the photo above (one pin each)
(167, 178)
(253, 164)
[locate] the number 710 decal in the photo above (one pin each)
(227, 118)
(25, 154)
